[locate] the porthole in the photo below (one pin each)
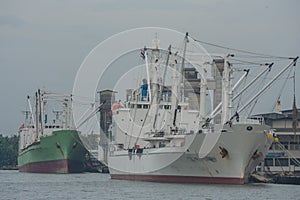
(249, 128)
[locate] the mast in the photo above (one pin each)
(203, 89)
(164, 74)
(36, 116)
(174, 96)
(30, 109)
(65, 110)
(70, 113)
(148, 75)
(40, 111)
(186, 40)
(154, 80)
(226, 91)
(230, 90)
(177, 85)
(154, 67)
(295, 110)
(161, 86)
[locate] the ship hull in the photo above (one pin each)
(178, 179)
(246, 149)
(61, 152)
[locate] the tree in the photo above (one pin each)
(8, 150)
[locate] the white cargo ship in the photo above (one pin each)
(161, 134)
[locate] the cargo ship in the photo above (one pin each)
(50, 146)
(170, 133)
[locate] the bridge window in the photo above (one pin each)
(167, 107)
(269, 162)
(293, 162)
(281, 162)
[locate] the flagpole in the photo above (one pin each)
(295, 109)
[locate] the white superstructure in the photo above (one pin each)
(157, 138)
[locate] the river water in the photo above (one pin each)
(27, 186)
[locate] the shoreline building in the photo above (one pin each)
(283, 156)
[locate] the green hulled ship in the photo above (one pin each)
(62, 152)
(50, 147)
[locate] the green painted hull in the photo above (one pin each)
(62, 152)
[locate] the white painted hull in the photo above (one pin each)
(189, 164)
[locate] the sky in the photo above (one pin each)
(43, 43)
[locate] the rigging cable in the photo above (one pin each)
(240, 50)
(250, 62)
(262, 83)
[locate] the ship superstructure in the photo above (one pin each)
(167, 133)
(50, 146)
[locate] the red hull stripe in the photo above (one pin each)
(53, 166)
(178, 179)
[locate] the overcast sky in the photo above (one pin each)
(43, 43)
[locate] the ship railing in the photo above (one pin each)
(212, 128)
(293, 158)
(249, 120)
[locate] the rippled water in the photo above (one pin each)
(27, 186)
